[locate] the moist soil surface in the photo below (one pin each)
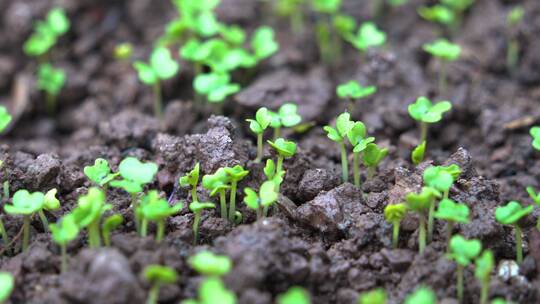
(326, 236)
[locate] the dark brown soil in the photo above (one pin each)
(327, 237)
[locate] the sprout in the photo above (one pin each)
(191, 179)
(510, 214)
(420, 203)
(328, 42)
(233, 34)
(5, 118)
(463, 252)
(422, 295)
(258, 125)
(197, 208)
(218, 183)
(452, 212)
(293, 9)
(484, 267)
(514, 18)
(446, 52)
(394, 213)
(425, 112)
(210, 264)
(286, 116)
(161, 67)
(158, 276)
(47, 32)
(100, 173)
(26, 204)
(50, 80)
(294, 295)
(212, 290)
(375, 296)
(359, 141)
(235, 174)
(63, 232)
(417, 155)
(90, 208)
(154, 208)
(353, 91)
(263, 43)
(373, 155)
(123, 51)
(215, 86)
(284, 149)
(260, 202)
(438, 13)
(368, 36)
(535, 133)
(326, 6)
(8, 283)
(338, 134)
(109, 224)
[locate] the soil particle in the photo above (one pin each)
(43, 172)
(179, 118)
(398, 259)
(129, 129)
(315, 181)
(254, 296)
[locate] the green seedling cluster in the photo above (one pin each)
(260, 202)
(352, 91)
(294, 295)
(463, 252)
(394, 214)
(422, 203)
(191, 179)
(157, 276)
(155, 209)
(262, 121)
(513, 20)
(448, 13)
(367, 37)
(425, 112)
(445, 52)
(286, 116)
(63, 232)
(510, 214)
(452, 213)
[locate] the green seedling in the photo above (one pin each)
(26, 204)
(353, 91)
(90, 208)
(425, 112)
(232, 34)
(215, 86)
(196, 19)
(535, 134)
(452, 212)
(50, 203)
(376, 296)
(536, 198)
(359, 141)
(261, 201)
(123, 51)
(445, 52)
(484, 266)
(160, 67)
(422, 295)
(158, 276)
(286, 116)
(514, 18)
(210, 264)
(421, 204)
(197, 208)
(338, 135)
(153, 208)
(263, 43)
(100, 173)
(212, 290)
(46, 33)
(463, 252)
(417, 155)
(270, 171)
(328, 41)
(294, 295)
(258, 125)
(368, 36)
(373, 155)
(394, 213)
(5, 118)
(191, 179)
(438, 14)
(7, 283)
(63, 232)
(51, 81)
(284, 149)
(292, 9)
(109, 224)
(218, 183)
(510, 214)
(235, 174)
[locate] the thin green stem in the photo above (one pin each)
(196, 222)
(422, 234)
(135, 206)
(6, 190)
(63, 257)
(344, 163)
(194, 196)
(442, 77)
(106, 235)
(423, 131)
(449, 231)
(158, 107)
(153, 294)
(484, 292)
(277, 133)
(50, 100)
(26, 232)
(160, 230)
(431, 221)
(44, 220)
(512, 55)
(259, 148)
(460, 283)
(395, 234)
(223, 203)
(519, 244)
(93, 234)
(371, 172)
(446, 193)
(3, 233)
(144, 227)
(232, 201)
(356, 169)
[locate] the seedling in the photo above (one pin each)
(8, 283)
(100, 173)
(158, 276)
(212, 290)
(446, 52)
(394, 213)
(263, 43)
(373, 155)
(438, 14)
(258, 126)
(327, 40)
(210, 264)
(535, 133)
(63, 232)
(463, 252)
(215, 86)
(286, 116)
(368, 36)
(47, 32)
(359, 141)
(353, 91)
(293, 9)
(376, 296)
(218, 183)
(484, 267)
(514, 18)
(153, 208)
(425, 112)
(510, 214)
(235, 174)
(5, 118)
(422, 295)
(259, 202)
(338, 134)
(421, 203)
(90, 208)
(452, 212)
(536, 198)
(197, 208)
(191, 179)
(50, 203)
(160, 67)
(123, 51)
(294, 295)
(26, 204)
(271, 173)
(50, 80)
(284, 149)
(109, 224)
(417, 155)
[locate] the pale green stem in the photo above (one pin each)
(356, 169)
(3, 233)
(423, 131)
(135, 206)
(442, 77)
(232, 201)
(259, 148)
(223, 204)
(519, 244)
(44, 220)
(279, 168)
(371, 172)
(446, 193)
(422, 234)
(26, 232)
(196, 222)
(431, 221)
(344, 163)
(512, 55)
(93, 234)
(194, 196)
(160, 230)
(460, 283)
(144, 227)
(6, 190)
(449, 231)
(277, 133)
(158, 107)
(106, 235)
(395, 234)
(484, 292)
(63, 257)
(153, 294)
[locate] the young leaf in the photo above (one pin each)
(263, 43)
(464, 251)
(295, 295)
(443, 49)
(160, 274)
(284, 147)
(511, 213)
(419, 202)
(425, 111)
(134, 170)
(376, 296)
(438, 178)
(422, 295)
(5, 118)
(395, 212)
(535, 133)
(210, 264)
(417, 155)
(25, 203)
(163, 64)
(50, 202)
(8, 283)
(451, 211)
(65, 230)
(353, 90)
(373, 155)
(50, 80)
(368, 36)
(288, 115)
(484, 266)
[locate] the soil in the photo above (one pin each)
(328, 237)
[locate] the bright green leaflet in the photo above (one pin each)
(463, 252)
(368, 36)
(8, 284)
(63, 232)
(50, 79)
(444, 49)
(109, 224)
(210, 264)
(136, 171)
(212, 290)
(420, 203)
(294, 295)
(484, 266)
(90, 208)
(267, 196)
(197, 208)
(422, 295)
(437, 13)
(338, 134)
(5, 118)
(373, 155)
(215, 86)
(425, 112)
(26, 204)
(535, 133)
(376, 296)
(218, 183)
(262, 120)
(263, 43)
(154, 208)
(100, 173)
(394, 213)
(191, 179)
(158, 275)
(417, 155)
(510, 214)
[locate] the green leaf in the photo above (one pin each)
(8, 283)
(236, 173)
(464, 251)
(50, 202)
(263, 42)
(5, 118)
(353, 90)
(344, 24)
(395, 212)
(425, 111)
(216, 86)
(251, 199)
(90, 207)
(326, 6)
(216, 182)
(333, 134)
(437, 13)
(534, 196)
(443, 49)
(145, 72)
(206, 24)
(368, 36)
(134, 170)
(344, 124)
(212, 291)
(356, 133)
(163, 64)
(197, 207)
(373, 155)
(210, 264)
(270, 169)
(191, 178)
(515, 15)
(25, 203)
(376, 296)
(511, 213)
(284, 147)
(417, 155)
(157, 274)
(58, 21)
(453, 169)
(268, 193)
(420, 202)
(99, 171)
(535, 133)
(233, 34)
(295, 295)
(111, 223)
(484, 266)
(438, 178)
(422, 295)
(154, 208)
(129, 186)
(363, 144)
(451, 211)
(50, 80)
(65, 230)
(288, 115)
